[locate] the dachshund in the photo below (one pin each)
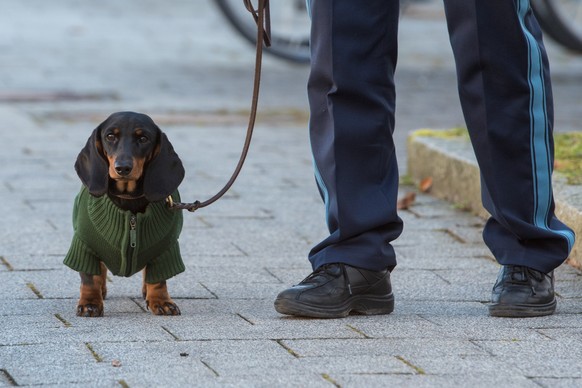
(121, 220)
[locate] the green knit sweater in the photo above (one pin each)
(124, 241)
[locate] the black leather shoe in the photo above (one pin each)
(522, 292)
(335, 290)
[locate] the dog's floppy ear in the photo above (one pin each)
(164, 172)
(91, 166)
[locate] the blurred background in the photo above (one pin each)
(182, 62)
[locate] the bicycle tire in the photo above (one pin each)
(283, 45)
(551, 15)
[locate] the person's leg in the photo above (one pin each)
(505, 92)
(352, 100)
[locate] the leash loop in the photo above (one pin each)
(261, 15)
(263, 23)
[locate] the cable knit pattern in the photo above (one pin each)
(103, 233)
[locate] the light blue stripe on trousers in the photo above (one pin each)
(540, 142)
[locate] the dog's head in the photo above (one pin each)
(128, 155)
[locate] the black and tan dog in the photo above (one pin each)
(121, 219)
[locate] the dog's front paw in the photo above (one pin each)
(163, 307)
(89, 310)
(158, 299)
(93, 290)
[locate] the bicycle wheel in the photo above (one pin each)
(561, 20)
(290, 27)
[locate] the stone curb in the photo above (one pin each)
(451, 164)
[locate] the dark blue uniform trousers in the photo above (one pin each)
(505, 92)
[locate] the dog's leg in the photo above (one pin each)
(158, 299)
(103, 280)
(93, 291)
(144, 289)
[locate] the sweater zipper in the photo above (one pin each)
(132, 243)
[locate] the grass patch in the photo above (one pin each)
(567, 150)
(568, 156)
(406, 180)
(442, 133)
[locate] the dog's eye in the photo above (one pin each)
(110, 137)
(143, 139)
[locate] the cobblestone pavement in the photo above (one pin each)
(66, 65)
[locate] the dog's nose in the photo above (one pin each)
(123, 169)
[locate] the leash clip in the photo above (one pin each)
(191, 207)
(170, 201)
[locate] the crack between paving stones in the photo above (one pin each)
(428, 320)
(273, 275)
(41, 270)
(139, 305)
(34, 290)
(289, 183)
(417, 215)
(29, 204)
(170, 333)
(8, 377)
(417, 369)
(23, 344)
(204, 222)
(207, 365)
(9, 187)
(360, 332)
(244, 318)
(539, 331)
(476, 343)
(454, 235)
(208, 289)
(288, 349)
(384, 374)
(245, 254)
(328, 378)
(95, 355)
(187, 341)
(551, 378)
(123, 383)
(52, 224)
(440, 277)
(63, 320)
(6, 263)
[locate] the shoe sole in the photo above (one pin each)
(361, 304)
(522, 310)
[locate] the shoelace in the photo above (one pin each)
(323, 271)
(525, 276)
(347, 278)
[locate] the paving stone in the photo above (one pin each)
(404, 347)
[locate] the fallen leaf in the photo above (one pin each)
(406, 201)
(425, 185)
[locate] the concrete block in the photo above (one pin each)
(453, 168)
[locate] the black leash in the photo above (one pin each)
(263, 20)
